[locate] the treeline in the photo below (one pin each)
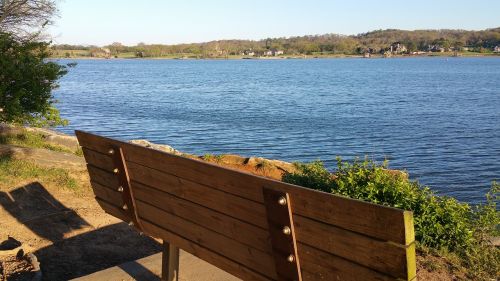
(378, 41)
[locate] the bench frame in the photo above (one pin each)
(108, 162)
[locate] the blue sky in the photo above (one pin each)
(102, 22)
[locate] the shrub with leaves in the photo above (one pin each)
(441, 222)
(27, 79)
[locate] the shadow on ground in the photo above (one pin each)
(93, 251)
(33, 206)
(69, 255)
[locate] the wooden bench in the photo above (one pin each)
(252, 227)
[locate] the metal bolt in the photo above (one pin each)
(282, 201)
(287, 230)
(111, 151)
(120, 188)
(131, 223)
(125, 207)
(115, 170)
(290, 258)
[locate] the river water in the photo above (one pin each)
(437, 118)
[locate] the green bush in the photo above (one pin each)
(27, 79)
(441, 222)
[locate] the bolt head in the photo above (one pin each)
(287, 230)
(111, 151)
(290, 258)
(282, 201)
(120, 188)
(115, 170)
(125, 207)
(131, 223)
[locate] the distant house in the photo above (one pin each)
(398, 48)
(435, 49)
(100, 53)
(496, 49)
(273, 52)
(248, 53)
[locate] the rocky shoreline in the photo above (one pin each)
(256, 165)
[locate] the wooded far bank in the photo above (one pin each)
(381, 42)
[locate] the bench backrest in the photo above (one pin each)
(252, 227)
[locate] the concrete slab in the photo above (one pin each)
(191, 268)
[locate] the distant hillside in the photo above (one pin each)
(374, 42)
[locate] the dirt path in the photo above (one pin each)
(67, 230)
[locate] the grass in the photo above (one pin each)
(12, 172)
(263, 165)
(213, 158)
(35, 140)
(454, 230)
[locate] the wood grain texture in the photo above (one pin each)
(247, 256)
(105, 193)
(279, 216)
(113, 210)
(203, 253)
(359, 240)
(222, 223)
(379, 255)
(321, 265)
(380, 222)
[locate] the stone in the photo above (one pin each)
(161, 147)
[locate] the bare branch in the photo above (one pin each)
(26, 18)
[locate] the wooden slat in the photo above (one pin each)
(247, 256)
(203, 253)
(100, 160)
(379, 255)
(279, 216)
(228, 226)
(227, 203)
(113, 210)
(376, 221)
(107, 194)
(103, 177)
(319, 265)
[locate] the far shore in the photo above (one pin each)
(377, 56)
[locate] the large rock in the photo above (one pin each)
(162, 147)
(277, 164)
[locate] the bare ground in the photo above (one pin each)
(70, 234)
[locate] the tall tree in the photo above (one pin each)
(27, 78)
(26, 83)
(26, 18)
